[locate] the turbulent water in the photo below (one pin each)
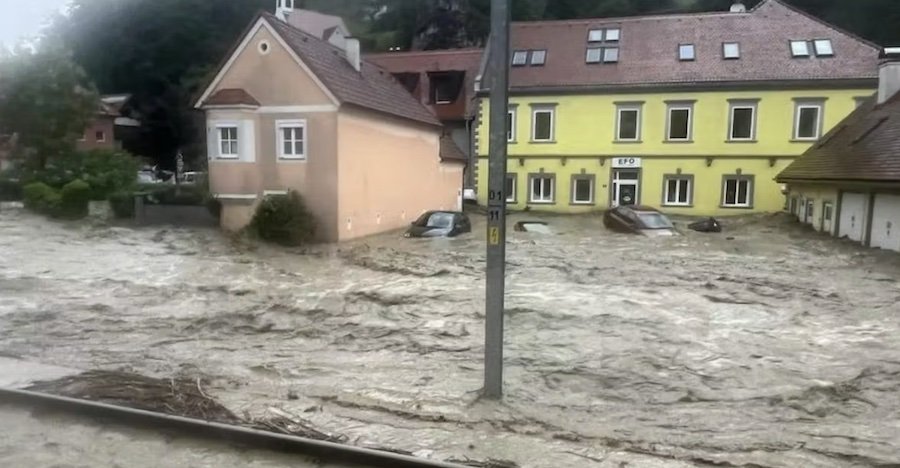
(764, 346)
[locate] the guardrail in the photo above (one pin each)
(198, 429)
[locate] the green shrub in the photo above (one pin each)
(285, 220)
(105, 171)
(74, 199)
(122, 204)
(10, 189)
(41, 198)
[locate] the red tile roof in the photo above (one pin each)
(371, 87)
(648, 54)
(231, 97)
(863, 147)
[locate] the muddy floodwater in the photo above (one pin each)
(767, 345)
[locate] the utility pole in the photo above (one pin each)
(498, 72)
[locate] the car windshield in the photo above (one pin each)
(654, 220)
(436, 220)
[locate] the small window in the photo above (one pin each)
(594, 54)
(292, 139)
(743, 123)
(731, 50)
(686, 52)
(679, 123)
(629, 124)
(611, 55)
(824, 48)
(678, 190)
(737, 192)
(520, 58)
(511, 125)
(538, 57)
(808, 121)
(800, 48)
(612, 34)
(444, 92)
(542, 125)
(542, 188)
(595, 35)
(582, 189)
(827, 211)
(228, 142)
(510, 188)
(100, 135)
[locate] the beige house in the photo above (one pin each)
(290, 111)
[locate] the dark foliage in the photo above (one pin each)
(284, 220)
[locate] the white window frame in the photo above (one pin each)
(512, 115)
(615, 32)
(609, 50)
(736, 48)
(547, 180)
(825, 43)
(583, 177)
(820, 108)
(236, 126)
(280, 126)
(683, 57)
(796, 53)
(679, 180)
(511, 197)
(542, 53)
(539, 110)
(596, 50)
(623, 108)
(734, 107)
(524, 58)
(737, 204)
(690, 123)
(596, 35)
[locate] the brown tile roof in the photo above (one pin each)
(371, 87)
(231, 97)
(318, 24)
(649, 46)
(450, 151)
(423, 62)
(863, 147)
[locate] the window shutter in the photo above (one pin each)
(247, 140)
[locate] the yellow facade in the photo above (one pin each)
(584, 143)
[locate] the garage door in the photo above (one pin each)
(886, 222)
(853, 212)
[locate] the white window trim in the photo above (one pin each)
(796, 55)
(679, 180)
(830, 53)
(734, 107)
(618, 34)
(690, 129)
(545, 178)
(725, 50)
(102, 134)
(637, 133)
(520, 53)
(538, 53)
(282, 124)
(818, 126)
(737, 204)
(237, 131)
(693, 49)
(575, 200)
(511, 197)
(607, 50)
(591, 35)
(587, 56)
(538, 110)
(513, 123)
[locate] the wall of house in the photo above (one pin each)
(585, 140)
(389, 172)
(817, 193)
(89, 139)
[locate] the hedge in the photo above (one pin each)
(285, 220)
(69, 203)
(41, 198)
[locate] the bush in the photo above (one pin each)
(285, 220)
(41, 198)
(105, 171)
(10, 189)
(74, 199)
(122, 204)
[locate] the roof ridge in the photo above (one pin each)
(634, 17)
(409, 53)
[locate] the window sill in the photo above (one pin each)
(678, 206)
(582, 204)
(678, 141)
(627, 142)
(511, 142)
(227, 158)
(742, 141)
(542, 142)
(804, 140)
(727, 207)
(541, 202)
(290, 159)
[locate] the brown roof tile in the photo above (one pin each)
(231, 97)
(450, 151)
(371, 87)
(863, 147)
(649, 45)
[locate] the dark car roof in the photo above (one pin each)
(638, 208)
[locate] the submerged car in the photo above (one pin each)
(636, 219)
(440, 224)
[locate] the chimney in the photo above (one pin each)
(283, 9)
(353, 53)
(738, 7)
(889, 74)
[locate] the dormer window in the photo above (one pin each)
(800, 48)
(538, 57)
(520, 58)
(686, 52)
(446, 86)
(823, 48)
(731, 50)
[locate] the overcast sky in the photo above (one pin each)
(22, 19)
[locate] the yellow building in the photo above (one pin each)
(695, 114)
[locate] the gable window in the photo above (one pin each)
(520, 58)
(542, 123)
(737, 191)
(800, 48)
(228, 141)
(679, 122)
(677, 190)
(582, 189)
(291, 139)
(686, 52)
(542, 188)
(100, 135)
(742, 121)
(808, 120)
(511, 125)
(628, 122)
(611, 55)
(510, 188)
(538, 57)
(731, 50)
(823, 48)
